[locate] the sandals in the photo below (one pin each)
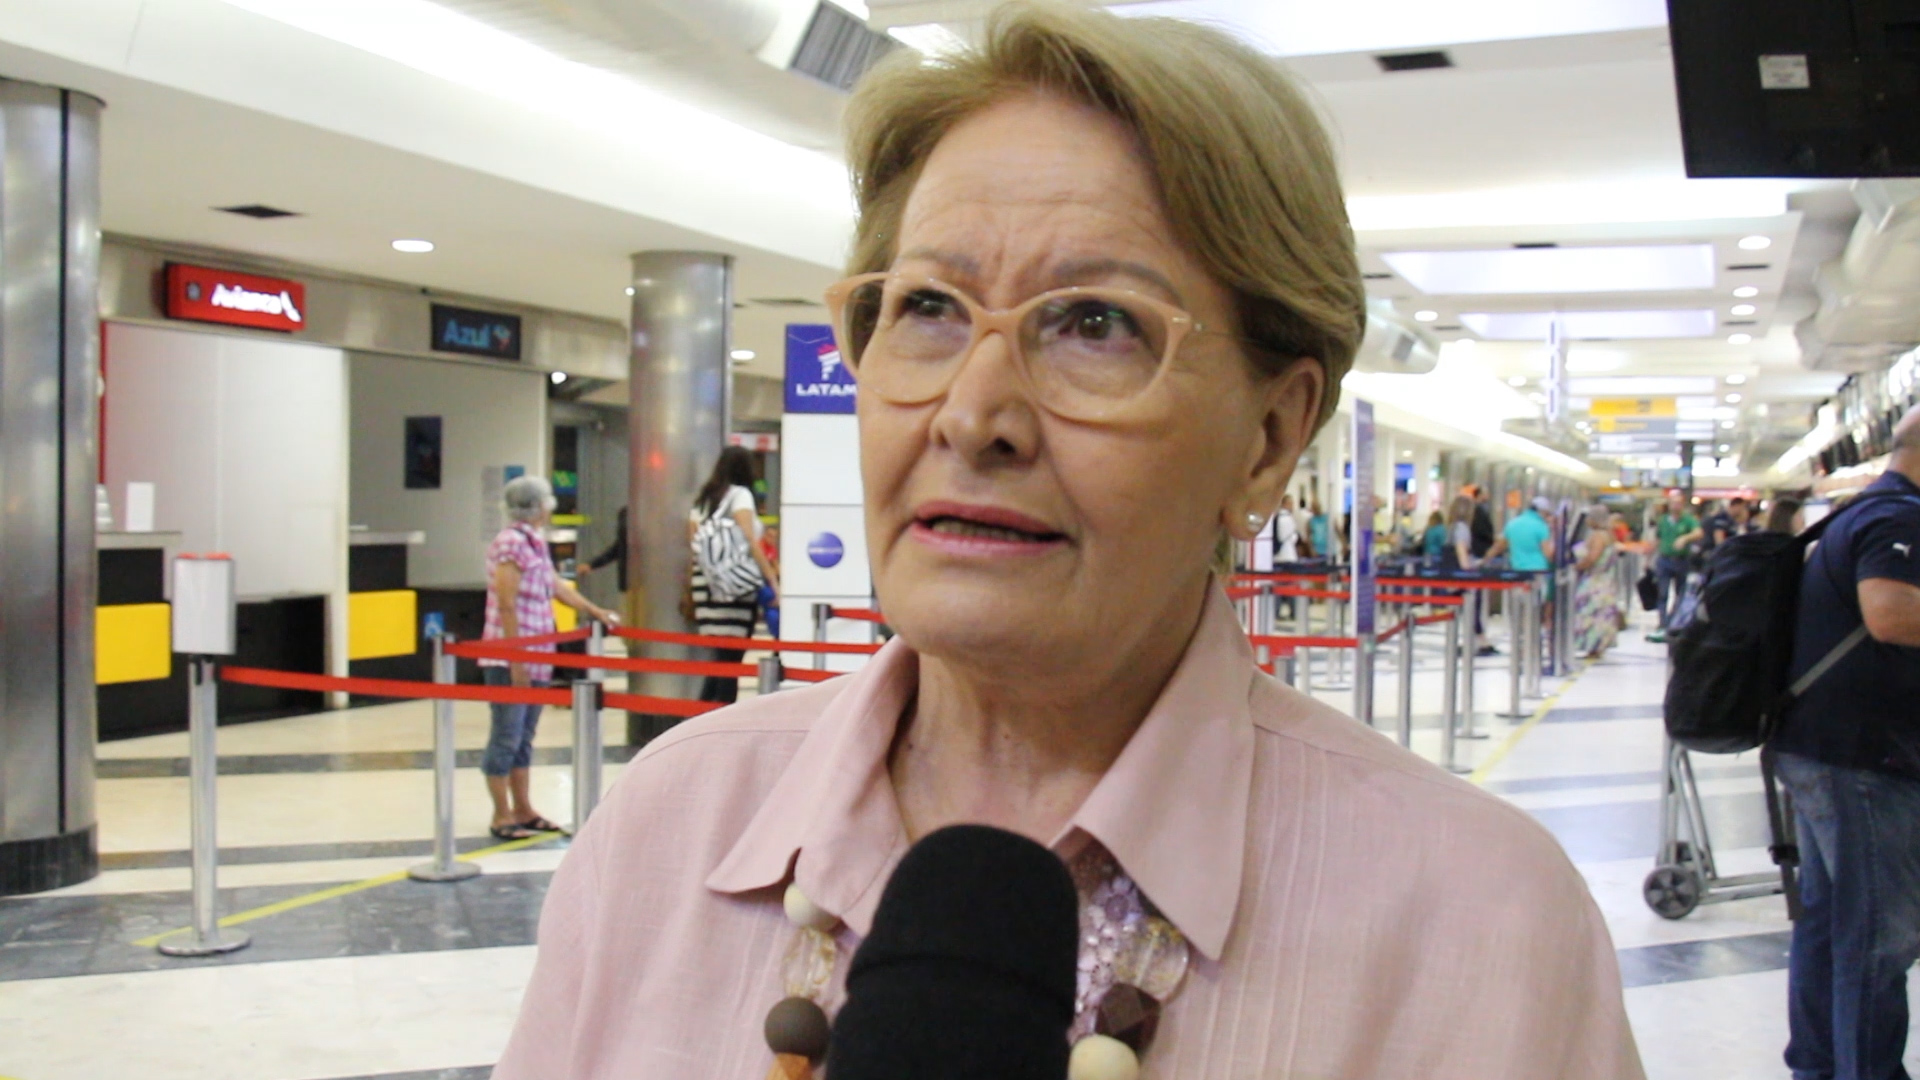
(512, 832)
(542, 825)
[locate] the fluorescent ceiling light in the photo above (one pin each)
(1739, 339)
(743, 354)
(413, 247)
(1517, 380)
(1572, 204)
(1533, 271)
(1755, 243)
(1727, 424)
(932, 39)
(1425, 316)
(1736, 379)
(1733, 399)
(1742, 309)
(1591, 325)
(1641, 386)
(1307, 27)
(1746, 291)
(449, 45)
(1595, 361)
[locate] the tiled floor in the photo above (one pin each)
(403, 979)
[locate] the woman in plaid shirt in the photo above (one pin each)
(523, 586)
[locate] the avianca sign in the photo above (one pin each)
(203, 294)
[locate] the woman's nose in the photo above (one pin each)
(987, 415)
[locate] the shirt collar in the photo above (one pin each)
(1172, 809)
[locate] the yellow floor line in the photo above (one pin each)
(1500, 752)
(348, 889)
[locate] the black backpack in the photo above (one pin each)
(1728, 688)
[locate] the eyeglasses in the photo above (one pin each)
(1086, 353)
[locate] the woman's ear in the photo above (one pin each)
(1290, 407)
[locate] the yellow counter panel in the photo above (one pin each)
(382, 624)
(132, 643)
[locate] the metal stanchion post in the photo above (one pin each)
(1450, 692)
(208, 937)
(1469, 654)
(444, 867)
(1363, 657)
(1406, 680)
(821, 614)
(1290, 664)
(772, 674)
(1303, 656)
(586, 750)
(1337, 627)
(1519, 620)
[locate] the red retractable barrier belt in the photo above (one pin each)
(1451, 583)
(1314, 594)
(1429, 620)
(662, 706)
(1303, 641)
(1411, 598)
(667, 638)
(858, 615)
(396, 688)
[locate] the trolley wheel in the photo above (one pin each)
(1673, 891)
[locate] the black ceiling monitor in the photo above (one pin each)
(1798, 88)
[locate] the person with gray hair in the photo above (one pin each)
(522, 587)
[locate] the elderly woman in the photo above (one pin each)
(1104, 292)
(522, 586)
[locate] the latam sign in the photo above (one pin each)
(817, 378)
(203, 294)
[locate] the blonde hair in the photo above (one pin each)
(1244, 167)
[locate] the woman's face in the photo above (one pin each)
(999, 530)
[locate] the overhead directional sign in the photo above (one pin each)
(1658, 425)
(1627, 406)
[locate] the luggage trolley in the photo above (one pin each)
(1685, 876)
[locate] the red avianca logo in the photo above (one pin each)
(204, 294)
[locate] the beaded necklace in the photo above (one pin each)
(1132, 960)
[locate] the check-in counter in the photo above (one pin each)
(140, 690)
(386, 636)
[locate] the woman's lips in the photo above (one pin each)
(982, 530)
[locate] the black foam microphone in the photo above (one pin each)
(969, 971)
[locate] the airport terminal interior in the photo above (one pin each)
(303, 297)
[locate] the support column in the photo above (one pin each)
(680, 393)
(49, 393)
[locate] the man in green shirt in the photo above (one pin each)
(1677, 531)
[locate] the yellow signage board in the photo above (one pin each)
(1628, 406)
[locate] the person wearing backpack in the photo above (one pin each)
(729, 566)
(1848, 751)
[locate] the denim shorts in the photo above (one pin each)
(510, 743)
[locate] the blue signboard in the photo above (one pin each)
(1362, 519)
(817, 380)
(434, 625)
(826, 550)
(476, 333)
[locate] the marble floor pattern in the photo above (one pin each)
(408, 981)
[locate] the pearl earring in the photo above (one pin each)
(1255, 521)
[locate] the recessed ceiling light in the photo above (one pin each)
(1745, 291)
(1406, 453)
(1755, 243)
(1741, 309)
(1591, 325)
(1725, 449)
(1728, 424)
(1736, 379)
(558, 377)
(413, 247)
(1739, 339)
(629, 290)
(1517, 380)
(743, 354)
(1425, 316)
(1533, 271)
(1733, 399)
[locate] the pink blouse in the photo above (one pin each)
(1355, 912)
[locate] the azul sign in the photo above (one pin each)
(826, 550)
(817, 379)
(476, 333)
(204, 294)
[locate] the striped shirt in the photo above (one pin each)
(522, 546)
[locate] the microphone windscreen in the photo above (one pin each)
(970, 968)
